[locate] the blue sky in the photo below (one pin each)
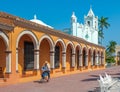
(57, 13)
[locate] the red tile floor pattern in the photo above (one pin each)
(82, 82)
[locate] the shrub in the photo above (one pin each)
(110, 60)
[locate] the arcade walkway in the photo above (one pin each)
(83, 82)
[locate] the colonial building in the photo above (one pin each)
(88, 30)
(117, 54)
(25, 45)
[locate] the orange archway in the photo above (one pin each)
(44, 52)
(25, 54)
(2, 57)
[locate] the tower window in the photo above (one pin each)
(95, 24)
(73, 20)
(88, 22)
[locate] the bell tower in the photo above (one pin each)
(91, 23)
(91, 20)
(73, 25)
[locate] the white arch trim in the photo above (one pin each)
(62, 43)
(35, 42)
(73, 52)
(51, 43)
(5, 38)
(85, 49)
(8, 55)
(34, 39)
(80, 47)
(49, 40)
(90, 49)
(73, 47)
(102, 54)
(63, 50)
(94, 50)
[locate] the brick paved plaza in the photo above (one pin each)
(82, 82)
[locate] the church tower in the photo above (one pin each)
(91, 20)
(88, 30)
(73, 25)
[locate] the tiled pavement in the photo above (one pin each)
(82, 82)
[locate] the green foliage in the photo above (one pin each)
(103, 24)
(110, 59)
(111, 47)
(110, 52)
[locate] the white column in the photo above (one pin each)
(36, 59)
(52, 55)
(86, 60)
(92, 60)
(17, 59)
(100, 60)
(73, 60)
(80, 60)
(8, 61)
(63, 59)
(96, 60)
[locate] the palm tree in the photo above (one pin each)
(111, 47)
(102, 22)
(110, 51)
(100, 36)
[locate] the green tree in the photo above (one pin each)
(100, 36)
(110, 51)
(111, 47)
(103, 24)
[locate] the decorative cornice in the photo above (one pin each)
(54, 32)
(6, 27)
(17, 21)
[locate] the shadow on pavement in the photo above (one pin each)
(97, 89)
(115, 74)
(90, 79)
(94, 75)
(40, 81)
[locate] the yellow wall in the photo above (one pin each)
(44, 52)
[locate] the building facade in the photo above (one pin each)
(117, 54)
(26, 45)
(88, 30)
